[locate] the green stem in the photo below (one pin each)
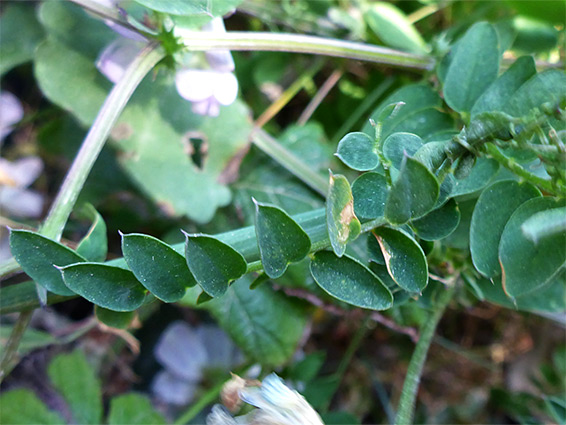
(207, 398)
(13, 343)
(407, 402)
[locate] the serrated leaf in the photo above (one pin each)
(342, 224)
(495, 206)
(38, 257)
(133, 409)
(158, 267)
(22, 407)
(350, 281)
(114, 319)
(397, 145)
(544, 224)
(94, 245)
(404, 258)
(413, 194)
(75, 379)
(213, 264)
(279, 238)
(266, 325)
(527, 266)
(110, 287)
(438, 223)
(370, 193)
(357, 151)
(473, 68)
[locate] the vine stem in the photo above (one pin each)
(407, 402)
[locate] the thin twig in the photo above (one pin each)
(320, 95)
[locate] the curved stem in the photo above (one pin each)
(407, 402)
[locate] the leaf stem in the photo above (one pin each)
(407, 402)
(13, 343)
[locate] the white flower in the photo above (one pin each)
(11, 111)
(15, 177)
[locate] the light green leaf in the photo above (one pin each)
(495, 206)
(76, 380)
(397, 145)
(280, 239)
(473, 68)
(192, 7)
(404, 258)
(133, 409)
(413, 194)
(350, 281)
(214, 264)
(357, 151)
(266, 325)
(438, 223)
(94, 245)
(110, 287)
(38, 257)
(158, 267)
(343, 225)
(370, 193)
(528, 266)
(393, 28)
(544, 224)
(22, 407)
(114, 319)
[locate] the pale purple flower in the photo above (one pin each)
(11, 111)
(116, 57)
(15, 199)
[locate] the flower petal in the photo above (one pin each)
(219, 60)
(116, 57)
(21, 203)
(11, 111)
(209, 107)
(195, 85)
(22, 172)
(226, 88)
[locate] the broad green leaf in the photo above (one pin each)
(20, 33)
(38, 257)
(393, 28)
(114, 319)
(473, 68)
(497, 95)
(527, 266)
(480, 175)
(413, 194)
(369, 192)
(551, 11)
(133, 409)
(534, 36)
(94, 245)
(76, 380)
(424, 123)
(493, 209)
(350, 281)
(266, 325)
(438, 223)
(397, 145)
(279, 238)
(159, 268)
(214, 264)
(358, 151)
(193, 7)
(110, 287)
(22, 407)
(31, 340)
(404, 258)
(544, 224)
(343, 225)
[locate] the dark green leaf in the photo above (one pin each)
(399, 145)
(424, 123)
(343, 225)
(203, 298)
(413, 194)
(369, 192)
(114, 319)
(94, 246)
(22, 407)
(473, 68)
(534, 36)
(133, 409)
(158, 267)
(556, 407)
(493, 209)
(432, 155)
(480, 175)
(348, 280)
(76, 380)
(528, 266)
(214, 264)
(38, 257)
(544, 224)
(110, 287)
(374, 250)
(404, 258)
(357, 151)
(438, 223)
(280, 239)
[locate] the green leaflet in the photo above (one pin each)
(158, 267)
(110, 287)
(473, 68)
(477, 178)
(544, 224)
(404, 258)
(527, 266)
(280, 239)
(22, 407)
(439, 223)
(397, 145)
(38, 257)
(350, 281)
(369, 192)
(133, 409)
(214, 264)
(491, 213)
(94, 245)
(193, 7)
(341, 221)
(114, 319)
(358, 151)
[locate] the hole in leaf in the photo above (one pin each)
(196, 147)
